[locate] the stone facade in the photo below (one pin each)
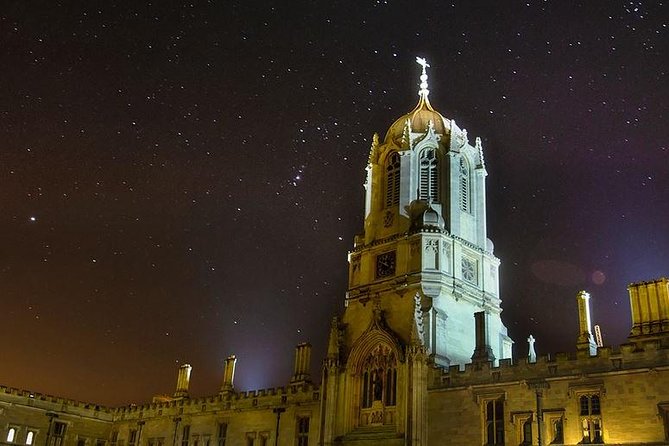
(420, 355)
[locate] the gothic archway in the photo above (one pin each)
(375, 375)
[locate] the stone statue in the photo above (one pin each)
(531, 354)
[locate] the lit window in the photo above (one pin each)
(591, 420)
(30, 438)
(464, 185)
(11, 433)
(494, 422)
(303, 431)
(429, 175)
(393, 180)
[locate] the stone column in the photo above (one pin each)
(483, 352)
(585, 342)
(417, 404)
(183, 381)
(229, 374)
(329, 386)
(302, 362)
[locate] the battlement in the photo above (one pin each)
(624, 358)
(53, 403)
(293, 394)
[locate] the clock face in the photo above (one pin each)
(385, 264)
(468, 270)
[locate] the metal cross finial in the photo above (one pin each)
(423, 77)
(422, 62)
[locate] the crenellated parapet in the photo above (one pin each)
(653, 354)
(36, 400)
(304, 393)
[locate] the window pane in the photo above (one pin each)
(584, 405)
(594, 405)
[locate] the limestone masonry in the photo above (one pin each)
(420, 355)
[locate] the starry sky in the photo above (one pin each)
(180, 181)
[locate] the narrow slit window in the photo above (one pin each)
(465, 189)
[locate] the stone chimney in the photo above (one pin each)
(483, 352)
(302, 362)
(649, 302)
(183, 380)
(585, 342)
(229, 374)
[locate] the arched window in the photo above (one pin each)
(379, 378)
(11, 433)
(429, 175)
(393, 180)
(465, 190)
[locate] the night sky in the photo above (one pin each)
(182, 181)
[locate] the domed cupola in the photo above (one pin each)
(424, 217)
(418, 120)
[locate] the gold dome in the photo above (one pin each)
(419, 119)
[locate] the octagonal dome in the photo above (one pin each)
(419, 119)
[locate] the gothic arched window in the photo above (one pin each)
(429, 175)
(465, 189)
(379, 378)
(393, 180)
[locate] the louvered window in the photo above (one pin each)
(429, 175)
(393, 180)
(464, 186)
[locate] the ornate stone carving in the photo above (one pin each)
(432, 245)
(374, 151)
(388, 218)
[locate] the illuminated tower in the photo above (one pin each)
(417, 275)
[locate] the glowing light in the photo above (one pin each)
(598, 277)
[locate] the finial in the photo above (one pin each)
(531, 353)
(423, 77)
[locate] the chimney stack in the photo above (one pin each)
(483, 352)
(649, 302)
(229, 374)
(183, 380)
(585, 342)
(302, 362)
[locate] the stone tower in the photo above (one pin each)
(417, 275)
